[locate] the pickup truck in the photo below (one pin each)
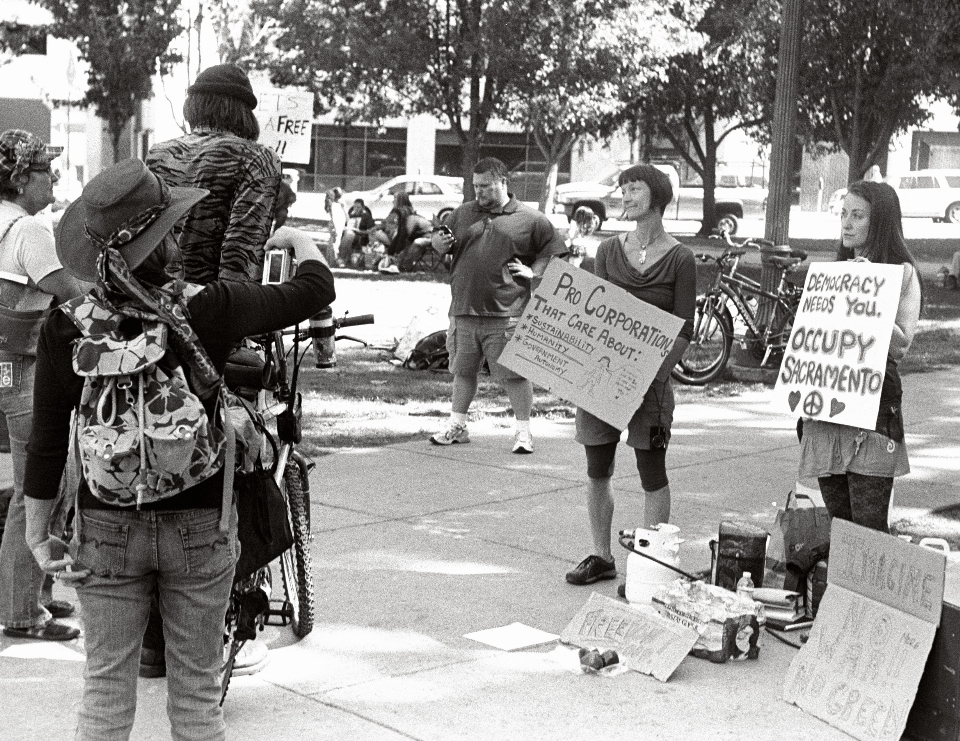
(734, 198)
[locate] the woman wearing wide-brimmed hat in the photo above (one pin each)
(31, 278)
(118, 235)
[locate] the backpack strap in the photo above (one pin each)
(229, 464)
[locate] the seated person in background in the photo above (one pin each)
(584, 223)
(359, 223)
(412, 237)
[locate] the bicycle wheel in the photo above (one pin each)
(231, 644)
(295, 562)
(706, 356)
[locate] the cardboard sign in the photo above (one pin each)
(860, 668)
(590, 342)
(286, 122)
(646, 641)
(834, 363)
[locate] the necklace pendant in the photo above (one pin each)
(642, 257)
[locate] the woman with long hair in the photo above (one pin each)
(856, 467)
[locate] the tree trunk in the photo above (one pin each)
(469, 155)
(709, 175)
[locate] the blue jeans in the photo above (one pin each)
(21, 579)
(183, 555)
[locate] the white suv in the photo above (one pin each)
(931, 194)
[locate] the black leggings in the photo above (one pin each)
(861, 499)
(652, 464)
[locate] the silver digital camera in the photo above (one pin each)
(277, 267)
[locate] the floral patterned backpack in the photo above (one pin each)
(141, 433)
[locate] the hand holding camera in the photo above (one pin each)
(287, 248)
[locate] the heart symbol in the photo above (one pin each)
(836, 407)
(793, 399)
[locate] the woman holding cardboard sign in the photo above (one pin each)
(657, 269)
(855, 468)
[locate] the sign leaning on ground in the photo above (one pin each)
(285, 116)
(590, 342)
(834, 362)
(860, 668)
(646, 641)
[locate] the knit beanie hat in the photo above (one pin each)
(225, 79)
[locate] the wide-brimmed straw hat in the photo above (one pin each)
(126, 205)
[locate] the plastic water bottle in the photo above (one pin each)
(745, 585)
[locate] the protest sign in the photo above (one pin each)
(860, 668)
(590, 342)
(286, 122)
(834, 362)
(646, 641)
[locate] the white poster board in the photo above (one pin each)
(834, 363)
(646, 641)
(590, 342)
(285, 116)
(860, 668)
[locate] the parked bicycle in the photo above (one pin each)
(277, 399)
(767, 316)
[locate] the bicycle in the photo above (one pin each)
(250, 609)
(768, 323)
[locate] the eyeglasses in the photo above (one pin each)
(41, 168)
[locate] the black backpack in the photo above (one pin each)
(430, 353)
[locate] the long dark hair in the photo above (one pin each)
(403, 208)
(885, 242)
(221, 112)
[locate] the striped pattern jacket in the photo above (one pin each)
(222, 237)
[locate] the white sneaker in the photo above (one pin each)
(453, 434)
(251, 658)
(523, 442)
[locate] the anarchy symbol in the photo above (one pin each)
(813, 404)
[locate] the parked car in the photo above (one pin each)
(433, 196)
(929, 194)
(734, 199)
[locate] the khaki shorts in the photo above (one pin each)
(655, 411)
(471, 339)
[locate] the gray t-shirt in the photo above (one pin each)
(481, 283)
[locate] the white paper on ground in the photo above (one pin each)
(513, 636)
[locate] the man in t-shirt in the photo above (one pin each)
(499, 245)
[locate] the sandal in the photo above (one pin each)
(59, 608)
(52, 631)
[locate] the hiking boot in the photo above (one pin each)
(591, 569)
(453, 434)
(523, 442)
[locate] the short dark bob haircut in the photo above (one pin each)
(661, 191)
(221, 113)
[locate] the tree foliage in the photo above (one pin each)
(125, 44)
(707, 94)
(869, 70)
(463, 61)
(584, 53)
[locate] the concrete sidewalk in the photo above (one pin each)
(416, 545)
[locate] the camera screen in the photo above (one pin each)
(276, 267)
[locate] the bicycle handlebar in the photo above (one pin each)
(353, 321)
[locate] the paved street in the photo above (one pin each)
(417, 545)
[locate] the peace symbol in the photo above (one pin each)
(813, 404)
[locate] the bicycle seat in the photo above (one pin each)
(799, 254)
(734, 253)
(786, 262)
